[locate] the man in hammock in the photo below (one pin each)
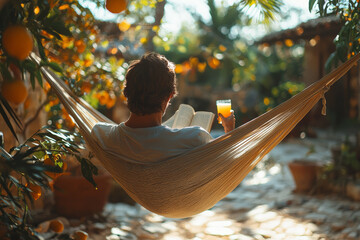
(150, 84)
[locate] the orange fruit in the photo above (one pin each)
(80, 235)
(56, 225)
(213, 62)
(86, 87)
(103, 97)
(14, 91)
(35, 190)
(17, 41)
(111, 102)
(53, 175)
(80, 46)
(116, 6)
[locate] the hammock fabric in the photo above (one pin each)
(196, 180)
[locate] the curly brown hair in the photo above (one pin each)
(149, 82)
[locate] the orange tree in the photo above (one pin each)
(25, 176)
(64, 35)
(347, 42)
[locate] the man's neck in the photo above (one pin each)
(144, 121)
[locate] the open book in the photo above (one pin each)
(186, 116)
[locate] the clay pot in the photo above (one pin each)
(76, 197)
(304, 174)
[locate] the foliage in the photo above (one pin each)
(65, 35)
(345, 165)
(348, 40)
(24, 171)
(277, 76)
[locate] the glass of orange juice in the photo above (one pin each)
(223, 107)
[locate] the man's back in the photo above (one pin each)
(148, 144)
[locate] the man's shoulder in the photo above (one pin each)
(102, 127)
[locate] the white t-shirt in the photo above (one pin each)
(148, 144)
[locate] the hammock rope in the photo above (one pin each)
(196, 180)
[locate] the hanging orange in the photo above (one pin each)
(116, 6)
(80, 46)
(35, 190)
(17, 41)
(14, 91)
(48, 161)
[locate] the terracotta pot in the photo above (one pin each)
(76, 197)
(304, 174)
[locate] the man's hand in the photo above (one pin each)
(228, 122)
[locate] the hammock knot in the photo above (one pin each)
(323, 100)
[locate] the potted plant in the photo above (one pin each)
(76, 196)
(304, 172)
(343, 173)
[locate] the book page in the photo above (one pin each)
(184, 116)
(203, 119)
(170, 121)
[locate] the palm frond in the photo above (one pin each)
(263, 11)
(8, 114)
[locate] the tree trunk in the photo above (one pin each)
(159, 14)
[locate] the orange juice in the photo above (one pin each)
(223, 107)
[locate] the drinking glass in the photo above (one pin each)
(223, 107)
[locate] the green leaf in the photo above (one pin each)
(59, 26)
(56, 67)
(41, 48)
(311, 4)
(44, 11)
(55, 24)
(29, 65)
(39, 77)
(4, 105)
(5, 72)
(87, 170)
(321, 7)
(32, 80)
(330, 62)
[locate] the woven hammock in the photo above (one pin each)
(196, 180)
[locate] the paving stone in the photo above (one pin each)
(249, 195)
(265, 233)
(117, 233)
(316, 217)
(224, 223)
(154, 228)
(241, 217)
(266, 216)
(297, 230)
(312, 227)
(219, 231)
(353, 235)
(296, 210)
(312, 204)
(242, 206)
(271, 224)
(287, 223)
(258, 210)
(240, 237)
(336, 227)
